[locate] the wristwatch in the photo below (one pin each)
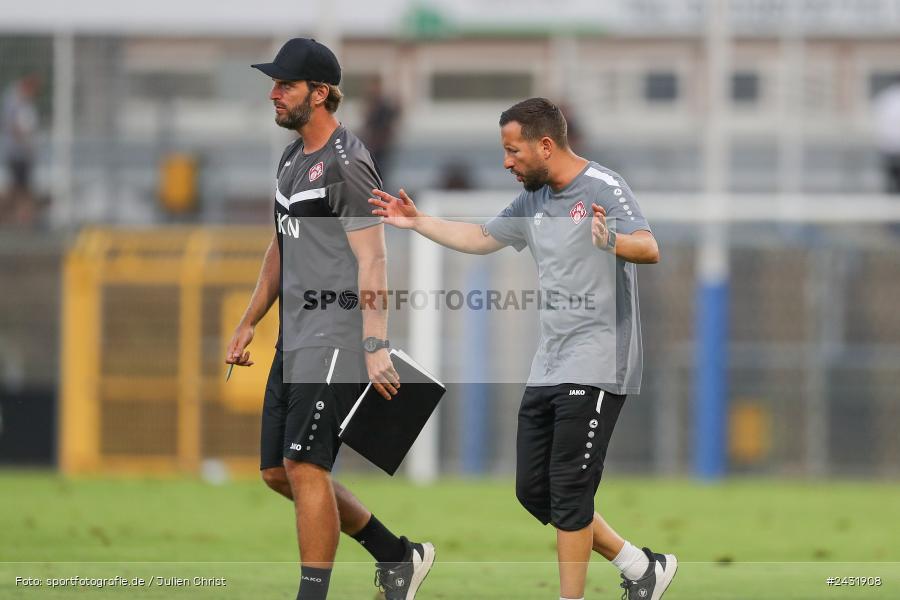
(373, 344)
(611, 240)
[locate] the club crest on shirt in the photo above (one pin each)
(578, 212)
(538, 217)
(316, 171)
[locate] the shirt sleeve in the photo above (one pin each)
(507, 227)
(622, 209)
(349, 197)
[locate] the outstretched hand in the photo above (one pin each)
(400, 212)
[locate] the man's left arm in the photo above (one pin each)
(631, 238)
(639, 247)
(368, 247)
(365, 233)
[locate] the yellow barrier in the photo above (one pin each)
(750, 428)
(178, 183)
(147, 314)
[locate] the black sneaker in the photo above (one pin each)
(656, 579)
(401, 581)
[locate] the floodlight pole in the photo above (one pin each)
(426, 273)
(328, 28)
(61, 213)
(711, 357)
(791, 87)
(824, 316)
(475, 402)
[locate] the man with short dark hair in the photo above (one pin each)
(588, 359)
(327, 247)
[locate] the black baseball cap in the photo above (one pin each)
(303, 59)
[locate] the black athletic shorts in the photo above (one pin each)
(564, 431)
(301, 419)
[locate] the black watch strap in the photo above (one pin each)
(373, 344)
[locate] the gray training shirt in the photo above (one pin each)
(319, 197)
(590, 329)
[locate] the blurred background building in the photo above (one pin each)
(150, 136)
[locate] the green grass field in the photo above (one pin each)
(744, 539)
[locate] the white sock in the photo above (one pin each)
(631, 561)
(561, 598)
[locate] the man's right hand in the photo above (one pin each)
(399, 212)
(382, 374)
(236, 354)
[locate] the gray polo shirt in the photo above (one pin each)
(319, 197)
(590, 329)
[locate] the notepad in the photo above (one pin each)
(383, 431)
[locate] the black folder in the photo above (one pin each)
(382, 430)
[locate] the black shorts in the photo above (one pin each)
(564, 431)
(301, 419)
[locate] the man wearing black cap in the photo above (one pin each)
(327, 247)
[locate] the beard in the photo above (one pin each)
(296, 117)
(535, 179)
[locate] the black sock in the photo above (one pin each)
(313, 583)
(383, 545)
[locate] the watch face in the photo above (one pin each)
(371, 344)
